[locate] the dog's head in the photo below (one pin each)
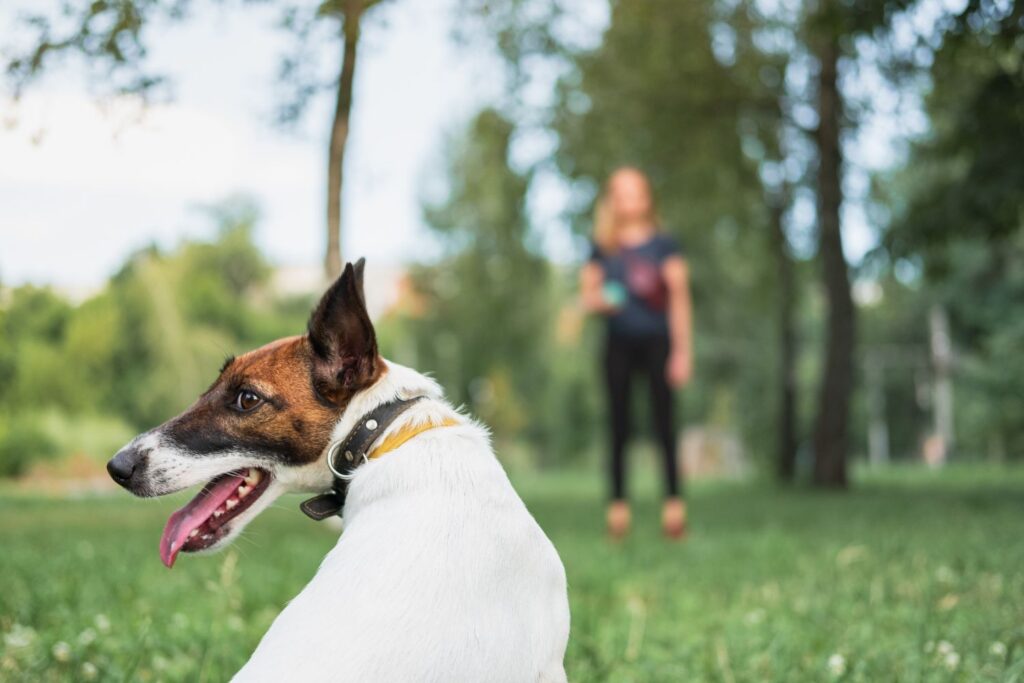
(261, 429)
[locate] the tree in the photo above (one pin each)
(351, 12)
(486, 329)
(830, 31)
(787, 438)
(761, 53)
(638, 98)
(683, 116)
(111, 36)
(831, 426)
(957, 212)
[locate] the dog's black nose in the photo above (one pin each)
(122, 466)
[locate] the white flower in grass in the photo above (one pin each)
(102, 623)
(998, 649)
(86, 637)
(947, 653)
(61, 651)
(837, 665)
(19, 636)
(89, 671)
(754, 617)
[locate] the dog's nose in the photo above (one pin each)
(122, 466)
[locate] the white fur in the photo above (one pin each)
(441, 574)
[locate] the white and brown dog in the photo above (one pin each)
(441, 573)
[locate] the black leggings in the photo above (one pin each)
(624, 356)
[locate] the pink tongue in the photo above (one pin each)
(192, 516)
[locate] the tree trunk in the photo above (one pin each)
(787, 445)
(830, 433)
(352, 11)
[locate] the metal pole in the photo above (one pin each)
(878, 428)
(942, 386)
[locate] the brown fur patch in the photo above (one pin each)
(293, 425)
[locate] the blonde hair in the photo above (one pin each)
(606, 227)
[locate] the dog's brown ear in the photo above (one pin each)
(341, 336)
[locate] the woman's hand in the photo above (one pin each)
(592, 292)
(679, 368)
(598, 303)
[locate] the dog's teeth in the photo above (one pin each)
(253, 477)
(218, 512)
(232, 502)
(243, 491)
(195, 532)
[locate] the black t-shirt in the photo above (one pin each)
(634, 276)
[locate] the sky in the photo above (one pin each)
(82, 185)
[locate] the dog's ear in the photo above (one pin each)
(342, 339)
(359, 267)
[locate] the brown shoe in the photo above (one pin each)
(673, 519)
(618, 518)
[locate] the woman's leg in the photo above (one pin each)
(618, 367)
(661, 412)
(617, 376)
(673, 513)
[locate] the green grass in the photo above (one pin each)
(912, 576)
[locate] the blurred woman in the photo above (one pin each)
(637, 279)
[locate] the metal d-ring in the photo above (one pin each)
(332, 453)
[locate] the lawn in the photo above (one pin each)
(912, 576)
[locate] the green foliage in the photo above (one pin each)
(894, 334)
(34, 323)
(144, 347)
(716, 101)
(488, 323)
(23, 440)
(108, 34)
(959, 216)
(222, 273)
(895, 578)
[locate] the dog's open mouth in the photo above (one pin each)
(201, 523)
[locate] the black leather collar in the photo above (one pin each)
(345, 456)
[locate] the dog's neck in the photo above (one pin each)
(397, 382)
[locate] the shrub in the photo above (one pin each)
(23, 440)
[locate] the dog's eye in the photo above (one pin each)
(246, 400)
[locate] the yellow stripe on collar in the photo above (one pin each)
(400, 436)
